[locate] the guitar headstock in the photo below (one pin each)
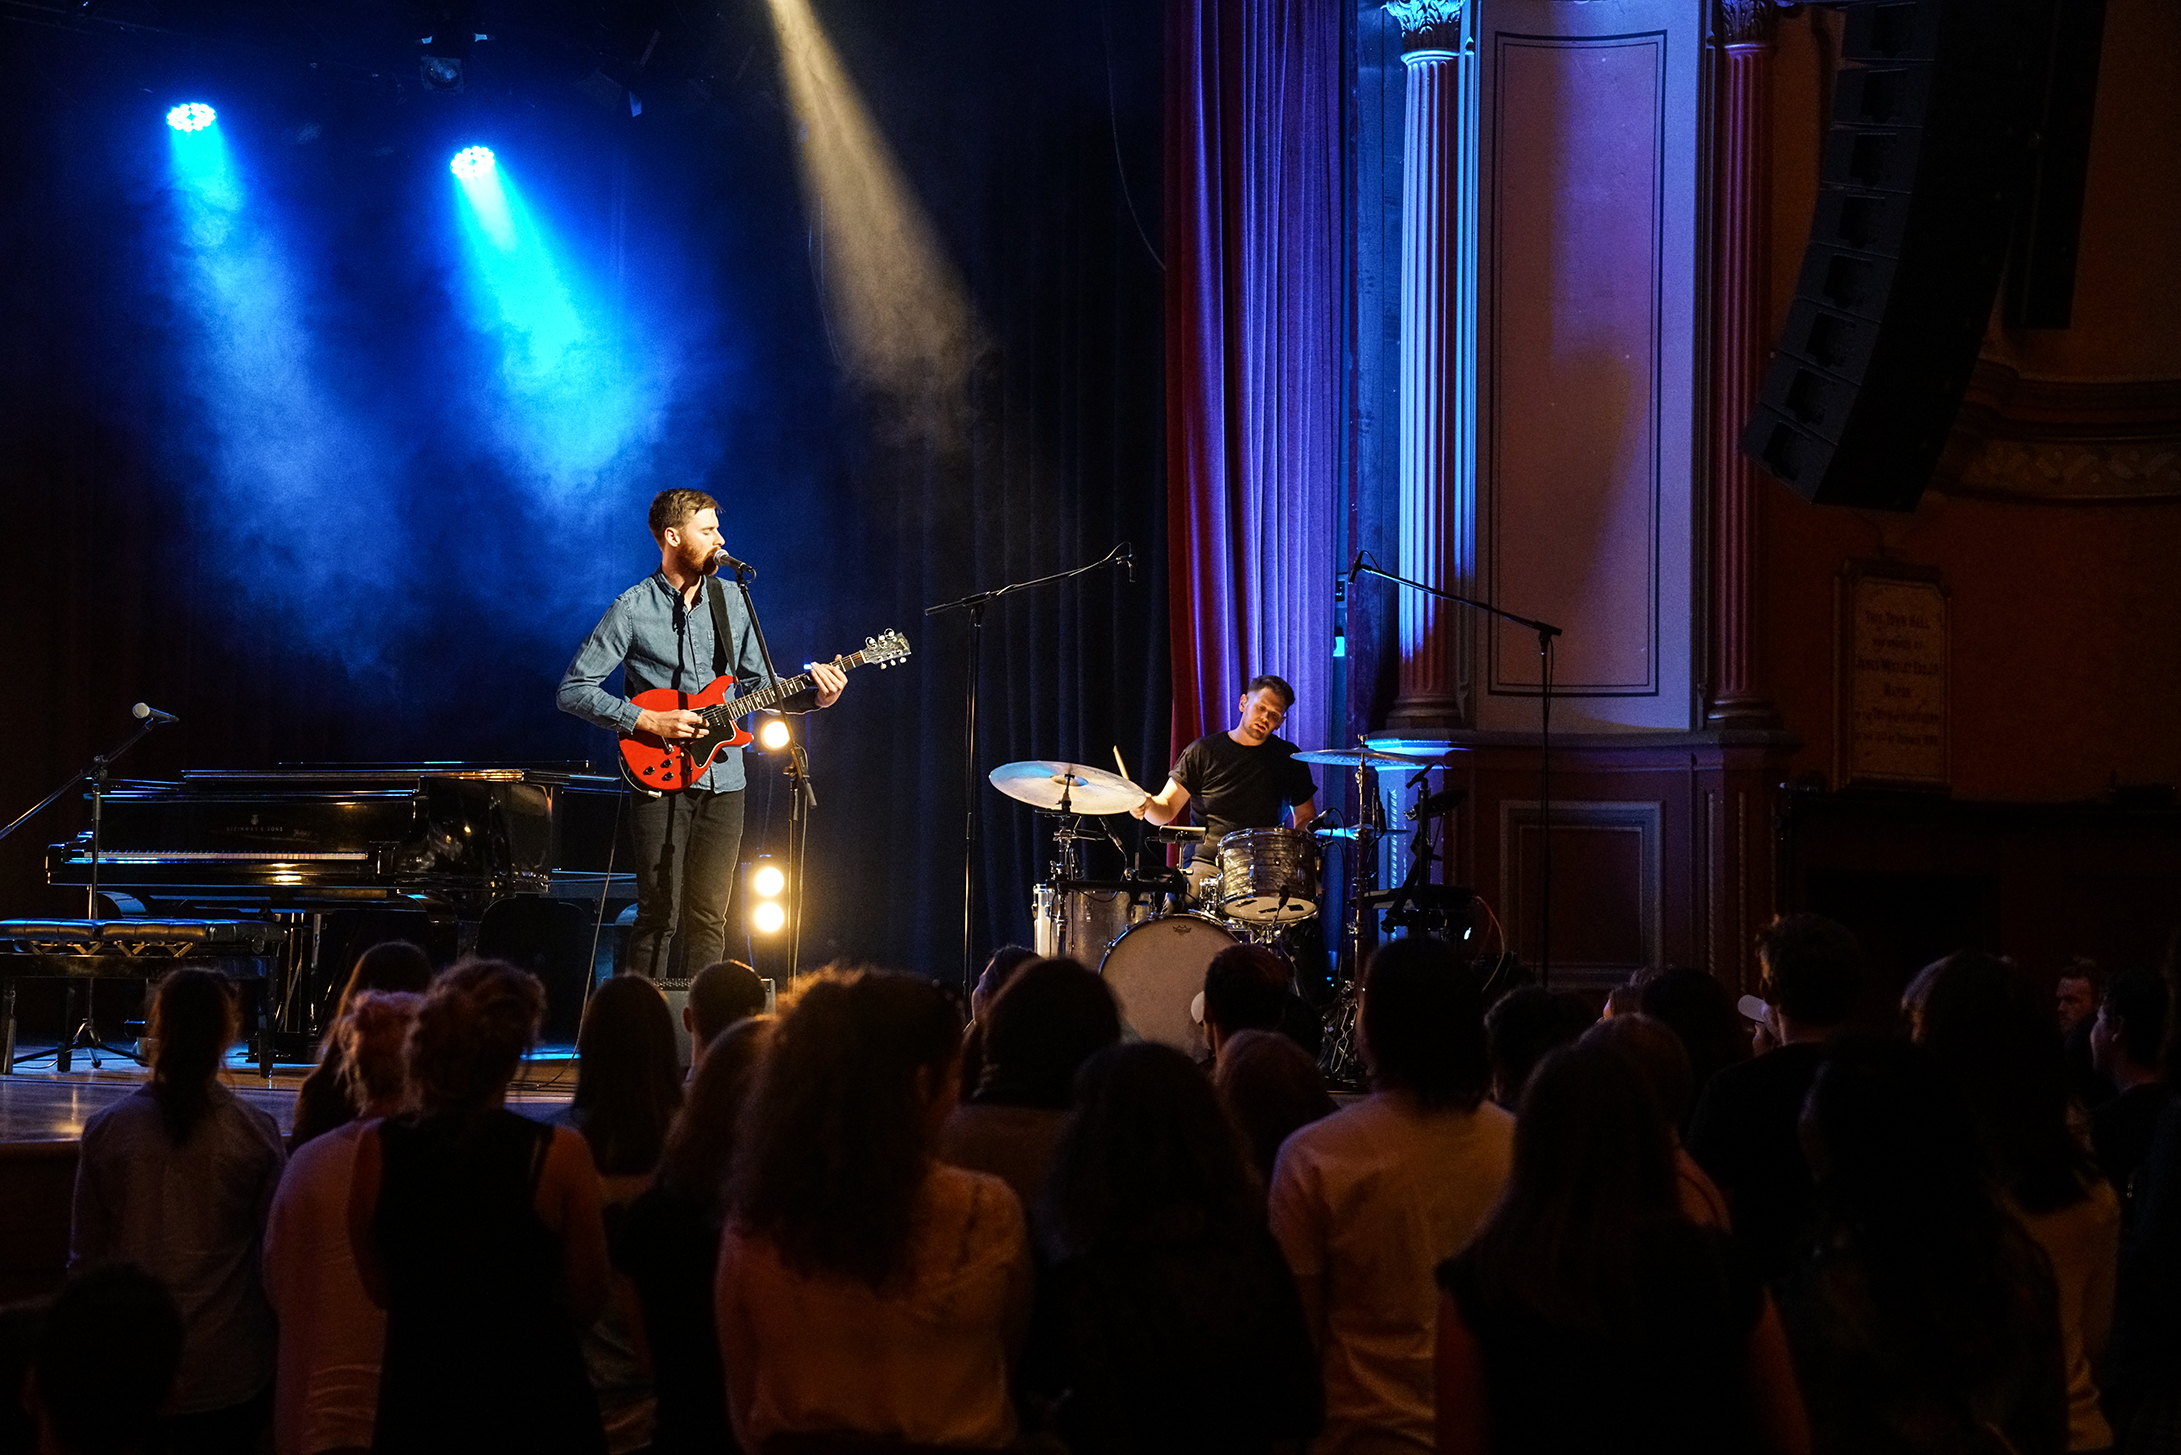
(885, 649)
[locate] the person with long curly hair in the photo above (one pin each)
(177, 1177)
(478, 1231)
(865, 1288)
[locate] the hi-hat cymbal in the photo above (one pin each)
(1084, 789)
(1365, 757)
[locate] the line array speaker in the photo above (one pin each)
(1933, 117)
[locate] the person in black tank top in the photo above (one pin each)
(483, 1294)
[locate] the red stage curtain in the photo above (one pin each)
(1253, 323)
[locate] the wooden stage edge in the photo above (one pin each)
(42, 1113)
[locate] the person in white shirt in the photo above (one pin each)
(1367, 1202)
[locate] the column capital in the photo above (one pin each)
(1428, 26)
(1747, 22)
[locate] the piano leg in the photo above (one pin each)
(66, 1060)
(7, 1029)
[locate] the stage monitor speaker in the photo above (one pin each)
(551, 938)
(1919, 178)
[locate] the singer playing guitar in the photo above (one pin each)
(661, 633)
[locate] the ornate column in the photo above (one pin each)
(1438, 418)
(1741, 693)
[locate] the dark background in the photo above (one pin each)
(421, 599)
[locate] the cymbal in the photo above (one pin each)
(1087, 790)
(1366, 757)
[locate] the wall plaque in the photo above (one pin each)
(1890, 677)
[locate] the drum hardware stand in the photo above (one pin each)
(1365, 565)
(972, 822)
(802, 792)
(93, 773)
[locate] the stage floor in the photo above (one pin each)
(41, 1105)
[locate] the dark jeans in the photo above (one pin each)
(687, 845)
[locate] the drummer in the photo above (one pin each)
(1243, 778)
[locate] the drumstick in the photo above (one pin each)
(1119, 764)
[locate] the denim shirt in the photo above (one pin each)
(660, 642)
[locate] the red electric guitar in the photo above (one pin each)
(653, 764)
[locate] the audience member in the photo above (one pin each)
(1986, 1028)
(722, 994)
(2142, 1395)
(1245, 989)
(666, 1242)
(478, 1231)
(628, 1087)
(1520, 1028)
(1656, 1054)
(1001, 968)
(1926, 1321)
(1744, 1131)
(1626, 998)
(19, 1323)
(326, 1389)
(1703, 1014)
(2126, 1039)
(865, 1288)
(1588, 1313)
(177, 1178)
(2077, 993)
(322, 1102)
(1052, 1017)
(107, 1350)
(1166, 1318)
(1270, 1087)
(1368, 1201)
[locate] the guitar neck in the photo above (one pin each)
(774, 694)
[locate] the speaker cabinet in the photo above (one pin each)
(1922, 168)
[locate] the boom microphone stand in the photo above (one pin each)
(94, 773)
(1364, 565)
(1123, 555)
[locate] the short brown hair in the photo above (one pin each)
(671, 509)
(1278, 684)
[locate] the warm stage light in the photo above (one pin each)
(191, 116)
(470, 163)
(773, 735)
(768, 917)
(768, 881)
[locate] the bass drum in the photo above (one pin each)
(1156, 969)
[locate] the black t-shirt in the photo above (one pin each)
(1676, 1379)
(1236, 787)
(1745, 1135)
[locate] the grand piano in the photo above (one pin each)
(526, 861)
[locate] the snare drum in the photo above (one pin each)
(1268, 876)
(1156, 968)
(1078, 923)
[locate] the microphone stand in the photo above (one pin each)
(1546, 632)
(972, 826)
(93, 772)
(802, 793)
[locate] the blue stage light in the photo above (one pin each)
(471, 163)
(191, 116)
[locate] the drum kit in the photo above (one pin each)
(1152, 932)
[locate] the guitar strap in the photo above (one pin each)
(715, 591)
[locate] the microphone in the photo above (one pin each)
(1128, 561)
(720, 559)
(145, 712)
(1355, 569)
